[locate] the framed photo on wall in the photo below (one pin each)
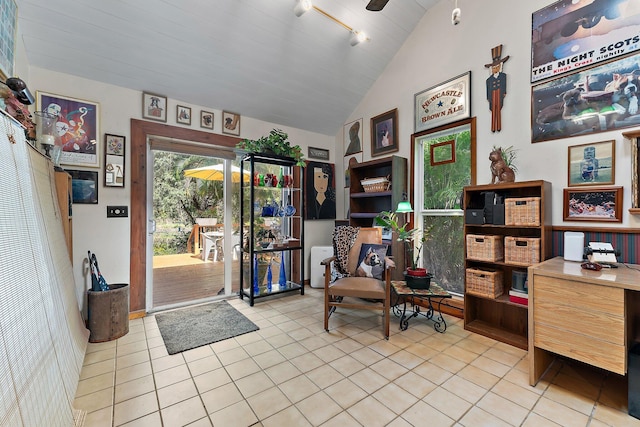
(84, 186)
(231, 123)
(593, 204)
(353, 137)
(206, 120)
(445, 103)
(348, 162)
(9, 13)
(77, 125)
(114, 152)
(384, 133)
(154, 107)
(320, 191)
(183, 115)
(592, 164)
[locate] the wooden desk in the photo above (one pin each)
(586, 315)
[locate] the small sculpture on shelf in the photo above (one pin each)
(502, 168)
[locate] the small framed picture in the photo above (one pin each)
(84, 186)
(183, 115)
(593, 204)
(206, 120)
(114, 152)
(231, 123)
(384, 133)
(318, 153)
(154, 107)
(443, 152)
(592, 164)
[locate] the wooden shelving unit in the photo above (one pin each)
(499, 318)
(364, 207)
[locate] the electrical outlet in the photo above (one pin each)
(117, 211)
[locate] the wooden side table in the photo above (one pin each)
(435, 293)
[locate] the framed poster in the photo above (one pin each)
(348, 162)
(231, 123)
(593, 204)
(384, 133)
(9, 13)
(114, 151)
(154, 107)
(568, 35)
(320, 191)
(77, 127)
(445, 103)
(206, 119)
(353, 137)
(587, 102)
(592, 164)
(183, 115)
(84, 186)
(318, 153)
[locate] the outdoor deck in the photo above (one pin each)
(185, 277)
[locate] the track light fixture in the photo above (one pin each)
(456, 14)
(302, 6)
(357, 37)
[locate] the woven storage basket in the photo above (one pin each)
(521, 250)
(522, 211)
(372, 185)
(484, 247)
(486, 283)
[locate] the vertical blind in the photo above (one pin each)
(42, 334)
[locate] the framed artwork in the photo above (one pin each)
(353, 137)
(443, 153)
(77, 127)
(318, 153)
(592, 164)
(206, 120)
(569, 35)
(586, 102)
(9, 13)
(445, 103)
(348, 162)
(384, 133)
(114, 152)
(84, 186)
(231, 123)
(183, 115)
(593, 204)
(154, 107)
(320, 191)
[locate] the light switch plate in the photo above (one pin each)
(117, 211)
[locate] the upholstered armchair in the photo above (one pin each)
(358, 290)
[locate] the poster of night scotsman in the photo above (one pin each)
(572, 34)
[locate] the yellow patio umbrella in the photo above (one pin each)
(216, 173)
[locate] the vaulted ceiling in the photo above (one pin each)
(252, 57)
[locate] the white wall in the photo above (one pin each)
(110, 238)
(437, 51)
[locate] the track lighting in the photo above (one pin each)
(357, 37)
(456, 14)
(302, 7)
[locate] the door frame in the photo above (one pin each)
(141, 130)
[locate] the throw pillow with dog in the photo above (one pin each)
(371, 261)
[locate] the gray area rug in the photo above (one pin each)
(200, 325)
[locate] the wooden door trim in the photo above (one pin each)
(140, 131)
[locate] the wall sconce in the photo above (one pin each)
(302, 7)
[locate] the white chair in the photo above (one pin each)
(211, 241)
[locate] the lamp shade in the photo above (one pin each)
(404, 207)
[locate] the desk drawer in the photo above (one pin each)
(579, 295)
(581, 347)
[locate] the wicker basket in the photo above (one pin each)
(372, 185)
(485, 283)
(521, 250)
(522, 211)
(484, 248)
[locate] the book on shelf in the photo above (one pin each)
(518, 297)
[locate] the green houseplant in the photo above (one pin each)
(277, 142)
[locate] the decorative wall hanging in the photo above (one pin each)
(353, 137)
(183, 115)
(77, 127)
(230, 123)
(592, 164)
(206, 120)
(596, 100)
(496, 87)
(318, 153)
(114, 155)
(445, 103)
(154, 107)
(84, 186)
(567, 36)
(593, 204)
(348, 162)
(320, 194)
(384, 133)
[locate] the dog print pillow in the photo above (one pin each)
(371, 261)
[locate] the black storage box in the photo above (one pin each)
(489, 199)
(498, 214)
(474, 216)
(633, 372)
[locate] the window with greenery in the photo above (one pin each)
(444, 163)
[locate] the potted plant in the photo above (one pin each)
(414, 240)
(275, 143)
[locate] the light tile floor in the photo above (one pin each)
(293, 373)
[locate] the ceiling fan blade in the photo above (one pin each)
(377, 5)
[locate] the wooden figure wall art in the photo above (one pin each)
(496, 87)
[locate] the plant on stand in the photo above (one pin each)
(275, 143)
(414, 240)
